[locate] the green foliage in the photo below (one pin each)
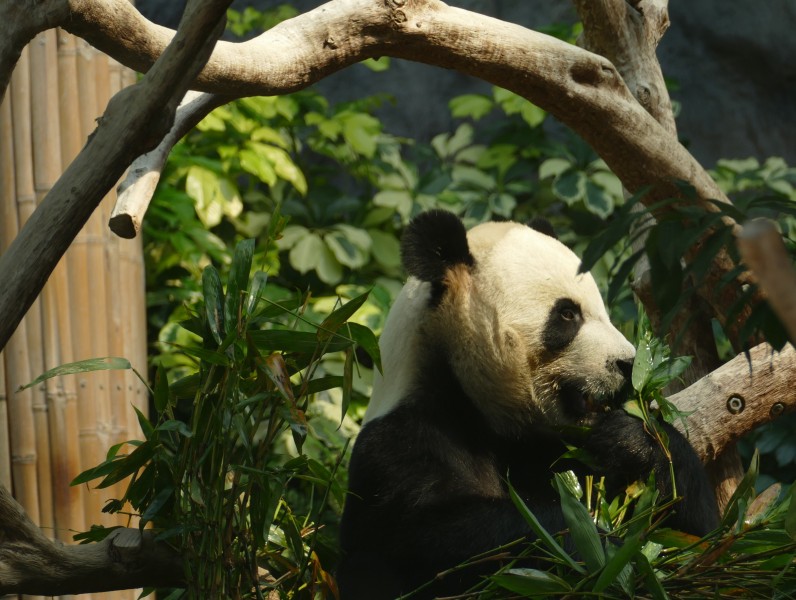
(621, 548)
(209, 475)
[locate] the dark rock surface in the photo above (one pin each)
(732, 60)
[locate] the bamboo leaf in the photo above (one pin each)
(366, 340)
(542, 533)
(581, 527)
(237, 282)
(214, 302)
(336, 319)
(81, 366)
(531, 582)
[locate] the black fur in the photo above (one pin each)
(562, 325)
(427, 488)
(434, 242)
(544, 226)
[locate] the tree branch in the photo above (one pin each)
(763, 250)
(30, 563)
(135, 192)
(136, 119)
(738, 397)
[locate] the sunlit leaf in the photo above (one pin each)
(82, 366)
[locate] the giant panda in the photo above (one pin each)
(494, 349)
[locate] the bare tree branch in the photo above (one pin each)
(31, 563)
(738, 397)
(135, 192)
(764, 252)
(136, 119)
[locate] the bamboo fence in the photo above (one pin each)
(92, 305)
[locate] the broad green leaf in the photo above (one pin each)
(642, 366)
(214, 302)
(335, 320)
(542, 533)
(735, 511)
(552, 167)
(472, 177)
(366, 339)
(282, 164)
(653, 585)
(474, 106)
(161, 395)
(597, 200)
(238, 281)
(581, 527)
(361, 131)
(328, 268)
(790, 517)
(400, 200)
(461, 138)
(82, 366)
(348, 382)
(377, 65)
(257, 165)
(358, 237)
(256, 291)
(617, 563)
(345, 251)
(306, 254)
(531, 582)
(303, 342)
(214, 195)
(385, 248)
(290, 236)
(532, 114)
(570, 186)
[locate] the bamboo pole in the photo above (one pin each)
(7, 197)
(22, 433)
(46, 168)
(70, 500)
(17, 359)
(92, 441)
(30, 347)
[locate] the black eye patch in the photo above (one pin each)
(563, 323)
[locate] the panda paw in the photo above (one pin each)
(622, 449)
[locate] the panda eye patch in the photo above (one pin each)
(563, 323)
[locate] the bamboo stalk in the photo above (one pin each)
(46, 167)
(118, 299)
(22, 434)
(71, 504)
(21, 417)
(33, 402)
(92, 442)
(7, 196)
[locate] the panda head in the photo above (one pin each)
(526, 335)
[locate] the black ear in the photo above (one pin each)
(434, 242)
(542, 225)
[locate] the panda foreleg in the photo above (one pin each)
(626, 452)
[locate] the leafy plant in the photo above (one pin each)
(208, 475)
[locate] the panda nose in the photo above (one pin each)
(625, 368)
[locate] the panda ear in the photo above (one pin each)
(542, 225)
(434, 242)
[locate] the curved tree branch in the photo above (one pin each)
(30, 563)
(136, 119)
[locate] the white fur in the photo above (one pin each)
(492, 328)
